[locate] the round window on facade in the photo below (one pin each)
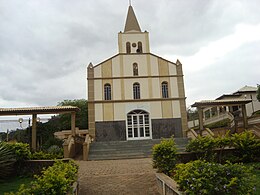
(133, 44)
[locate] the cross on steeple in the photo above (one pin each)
(129, 2)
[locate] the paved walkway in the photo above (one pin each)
(117, 177)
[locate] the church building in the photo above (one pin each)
(135, 95)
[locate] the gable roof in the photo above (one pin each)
(246, 89)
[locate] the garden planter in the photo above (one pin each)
(166, 185)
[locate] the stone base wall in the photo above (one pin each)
(166, 128)
(116, 130)
(111, 131)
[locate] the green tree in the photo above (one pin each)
(63, 122)
(258, 93)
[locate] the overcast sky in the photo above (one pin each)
(45, 45)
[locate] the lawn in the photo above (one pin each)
(13, 184)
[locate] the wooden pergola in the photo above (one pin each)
(34, 111)
(231, 102)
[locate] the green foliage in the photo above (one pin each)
(201, 177)
(52, 141)
(223, 123)
(258, 93)
(54, 149)
(56, 179)
(164, 155)
(203, 147)
(248, 147)
(81, 116)
(21, 151)
(7, 160)
(256, 113)
(45, 156)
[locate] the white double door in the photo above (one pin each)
(138, 126)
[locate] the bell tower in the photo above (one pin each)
(133, 40)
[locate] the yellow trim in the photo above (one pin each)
(122, 77)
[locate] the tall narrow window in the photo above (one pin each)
(107, 91)
(135, 69)
(128, 47)
(136, 91)
(165, 89)
(140, 47)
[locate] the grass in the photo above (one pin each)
(13, 184)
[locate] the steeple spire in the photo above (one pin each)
(131, 20)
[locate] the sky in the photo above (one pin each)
(46, 45)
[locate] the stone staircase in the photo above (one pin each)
(128, 149)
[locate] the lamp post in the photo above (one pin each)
(20, 120)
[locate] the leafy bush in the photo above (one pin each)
(45, 156)
(223, 123)
(7, 160)
(164, 156)
(201, 177)
(203, 147)
(54, 149)
(247, 146)
(56, 179)
(21, 151)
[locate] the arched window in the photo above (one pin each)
(135, 69)
(136, 91)
(107, 91)
(140, 47)
(128, 47)
(165, 89)
(138, 125)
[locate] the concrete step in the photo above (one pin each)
(128, 149)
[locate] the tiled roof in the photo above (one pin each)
(247, 89)
(38, 110)
(205, 103)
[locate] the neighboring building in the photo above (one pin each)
(135, 94)
(246, 92)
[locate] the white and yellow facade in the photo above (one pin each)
(136, 94)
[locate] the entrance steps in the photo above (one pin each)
(128, 149)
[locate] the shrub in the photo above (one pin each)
(203, 147)
(247, 146)
(7, 160)
(20, 150)
(44, 156)
(54, 149)
(56, 179)
(164, 156)
(201, 177)
(223, 123)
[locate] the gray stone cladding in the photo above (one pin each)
(111, 131)
(116, 130)
(165, 128)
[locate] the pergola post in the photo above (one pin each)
(245, 122)
(73, 123)
(200, 112)
(34, 122)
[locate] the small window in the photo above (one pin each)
(165, 89)
(135, 69)
(107, 91)
(136, 90)
(128, 47)
(140, 47)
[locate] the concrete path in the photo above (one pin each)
(117, 177)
